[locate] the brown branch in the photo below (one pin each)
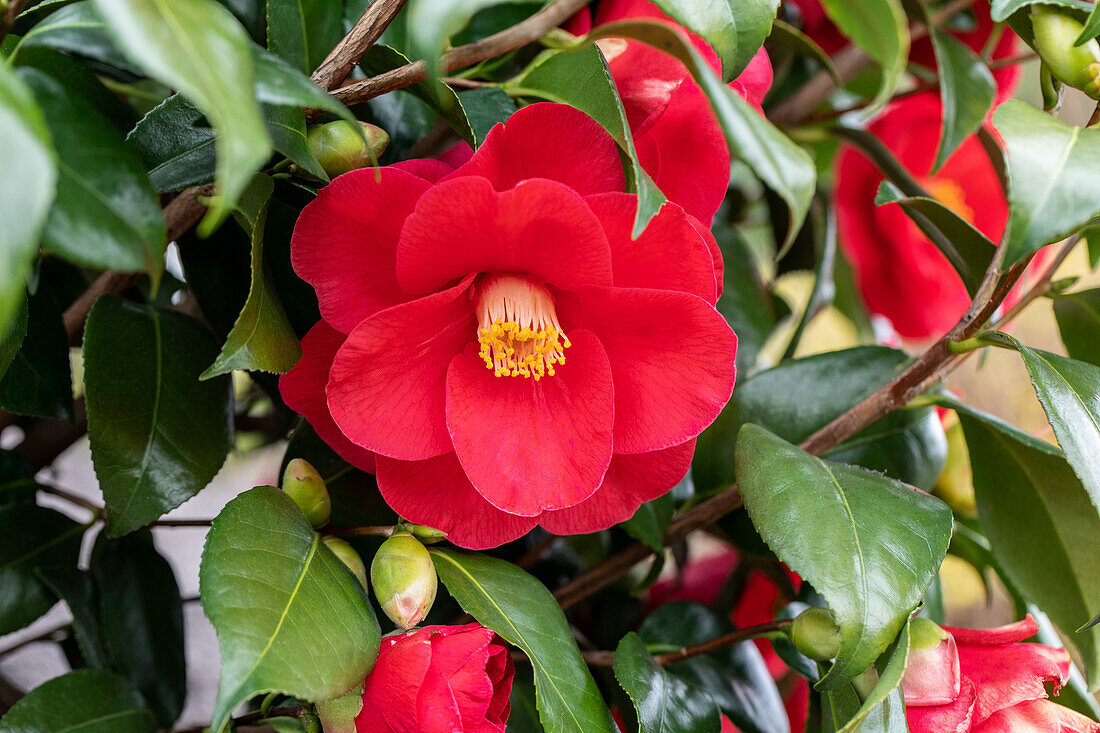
(366, 32)
(607, 658)
(364, 531)
(72, 498)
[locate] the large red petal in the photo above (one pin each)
(437, 493)
(932, 675)
(345, 242)
(669, 255)
(539, 228)
(462, 659)
(953, 718)
(437, 709)
(385, 389)
(1009, 674)
(1025, 628)
(631, 480)
(1037, 716)
(427, 168)
(672, 357)
(529, 446)
(391, 690)
(303, 390)
(553, 141)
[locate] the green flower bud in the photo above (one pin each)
(305, 486)
(338, 716)
(349, 557)
(814, 632)
(339, 149)
(404, 579)
(427, 535)
(1055, 32)
(925, 634)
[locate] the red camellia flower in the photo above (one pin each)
(985, 681)
(498, 345)
(438, 678)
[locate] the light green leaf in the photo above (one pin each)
(89, 701)
(303, 32)
(1091, 29)
(519, 608)
(966, 90)
(431, 22)
(664, 703)
(1078, 316)
(878, 27)
(289, 615)
(734, 28)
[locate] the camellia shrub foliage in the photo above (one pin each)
(498, 281)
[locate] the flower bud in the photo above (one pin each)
(925, 633)
(338, 715)
(404, 579)
(427, 535)
(305, 486)
(339, 148)
(814, 632)
(349, 557)
(1055, 33)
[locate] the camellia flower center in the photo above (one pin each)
(518, 328)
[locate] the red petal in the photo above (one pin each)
(1017, 631)
(345, 242)
(531, 446)
(715, 251)
(672, 357)
(437, 493)
(1009, 674)
(303, 390)
(462, 659)
(1038, 716)
(669, 255)
(953, 718)
(385, 388)
(613, 10)
(631, 480)
(553, 141)
(391, 690)
(426, 168)
(932, 675)
(754, 82)
(501, 671)
(539, 228)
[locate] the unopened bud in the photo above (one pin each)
(427, 535)
(338, 716)
(305, 486)
(814, 632)
(1055, 33)
(349, 557)
(925, 633)
(339, 148)
(404, 579)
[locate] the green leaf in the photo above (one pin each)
(664, 703)
(736, 29)
(651, 521)
(31, 537)
(430, 23)
(178, 153)
(969, 251)
(1078, 316)
(879, 27)
(302, 33)
(80, 30)
(106, 215)
(89, 701)
(287, 127)
(75, 588)
(278, 83)
(1041, 525)
(289, 615)
(262, 338)
(966, 90)
(1001, 9)
(886, 541)
(519, 608)
(157, 434)
(39, 380)
(198, 47)
(141, 619)
(79, 80)
(582, 79)
(1091, 29)
(889, 679)
(486, 107)
(28, 161)
(1051, 167)
(11, 337)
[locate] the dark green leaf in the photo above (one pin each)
(889, 680)
(431, 23)
(966, 90)
(198, 47)
(287, 127)
(278, 83)
(75, 588)
(486, 107)
(29, 162)
(878, 27)
(1051, 166)
(89, 700)
(734, 28)
(157, 434)
(1078, 316)
(78, 29)
(11, 337)
(105, 215)
(31, 537)
(1041, 525)
(524, 717)
(1001, 9)
(651, 521)
(39, 380)
(141, 617)
(886, 540)
(80, 81)
(262, 338)
(290, 616)
(664, 703)
(302, 33)
(177, 153)
(786, 35)
(519, 608)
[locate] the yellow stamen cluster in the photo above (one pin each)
(518, 329)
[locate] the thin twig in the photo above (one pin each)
(607, 658)
(72, 498)
(366, 32)
(181, 523)
(364, 531)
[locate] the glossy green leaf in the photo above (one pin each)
(262, 338)
(524, 717)
(141, 620)
(287, 127)
(889, 680)
(277, 82)
(28, 159)
(886, 540)
(664, 703)
(1078, 316)
(80, 81)
(1091, 29)
(78, 29)
(519, 608)
(76, 589)
(31, 537)
(89, 701)
(303, 32)
(1042, 527)
(486, 107)
(39, 380)
(176, 144)
(11, 337)
(879, 27)
(651, 521)
(198, 47)
(582, 79)
(1051, 167)
(734, 28)
(105, 215)
(431, 22)
(158, 434)
(966, 91)
(1001, 9)
(289, 615)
